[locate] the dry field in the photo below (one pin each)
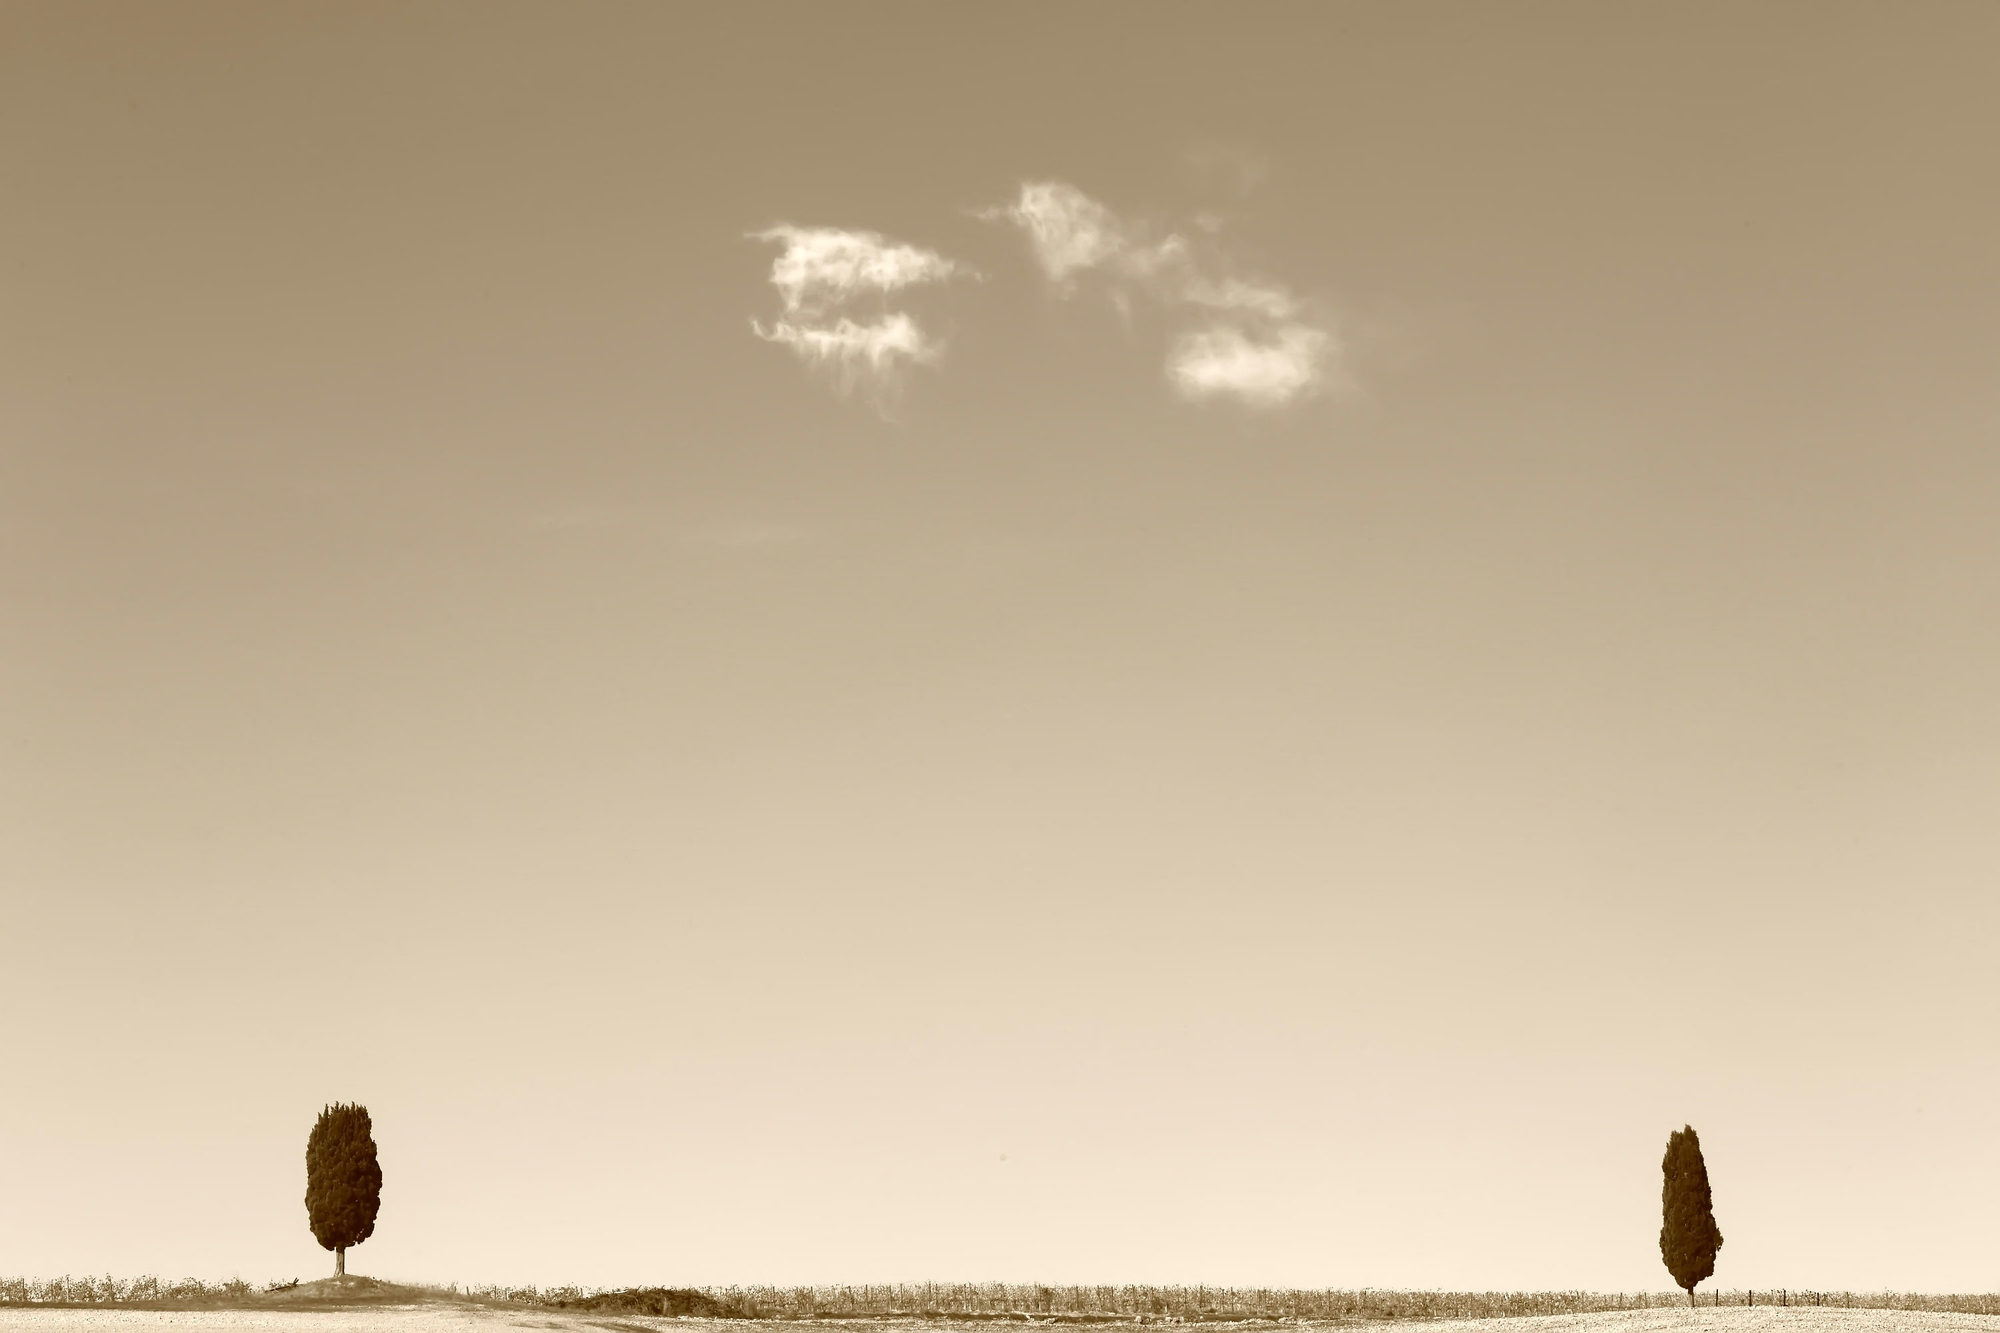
(447, 1317)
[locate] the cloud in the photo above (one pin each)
(822, 267)
(821, 273)
(1237, 295)
(1251, 340)
(1071, 232)
(1224, 362)
(855, 352)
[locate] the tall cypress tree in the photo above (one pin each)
(1689, 1237)
(343, 1181)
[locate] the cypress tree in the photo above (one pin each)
(1689, 1237)
(343, 1181)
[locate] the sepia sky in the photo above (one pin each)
(1120, 643)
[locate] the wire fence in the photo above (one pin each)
(1001, 1301)
(996, 1301)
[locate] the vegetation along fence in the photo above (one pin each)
(1026, 1301)
(1204, 1304)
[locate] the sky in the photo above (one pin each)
(1176, 643)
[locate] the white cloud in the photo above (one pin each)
(874, 352)
(823, 267)
(1222, 361)
(821, 273)
(1071, 232)
(1253, 343)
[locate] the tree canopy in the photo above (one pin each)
(343, 1179)
(1689, 1238)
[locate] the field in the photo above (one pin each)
(364, 1305)
(448, 1316)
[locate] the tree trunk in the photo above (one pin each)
(1690, 1298)
(340, 1261)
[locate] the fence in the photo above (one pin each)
(1987, 1303)
(1001, 1301)
(1066, 1304)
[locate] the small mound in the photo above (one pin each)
(352, 1289)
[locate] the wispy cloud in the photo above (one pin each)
(820, 274)
(1225, 362)
(1252, 340)
(1234, 294)
(875, 352)
(822, 267)
(1071, 232)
